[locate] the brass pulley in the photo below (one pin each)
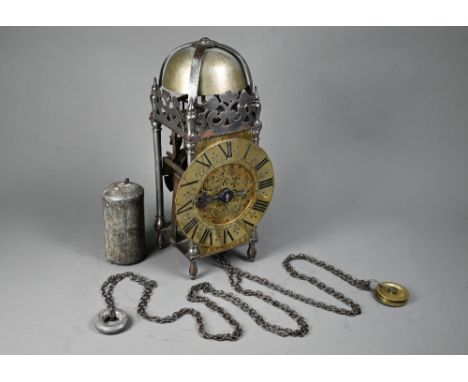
(391, 294)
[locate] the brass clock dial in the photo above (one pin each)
(224, 193)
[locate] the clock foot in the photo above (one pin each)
(193, 253)
(159, 226)
(161, 240)
(252, 251)
(193, 269)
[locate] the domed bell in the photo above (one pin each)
(220, 69)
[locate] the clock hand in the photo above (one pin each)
(224, 196)
(240, 193)
(227, 195)
(203, 199)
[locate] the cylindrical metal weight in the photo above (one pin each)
(124, 222)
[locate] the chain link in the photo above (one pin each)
(236, 275)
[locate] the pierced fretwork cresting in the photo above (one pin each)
(167, 110)
(226, 112)
(221, 114)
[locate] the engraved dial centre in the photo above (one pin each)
(229, 189)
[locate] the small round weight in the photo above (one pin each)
(107, 326)
(391, 294)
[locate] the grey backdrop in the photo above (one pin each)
(367, 129)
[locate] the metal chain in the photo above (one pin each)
(148, 285)
(235, 276)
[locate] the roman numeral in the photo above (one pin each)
(247, 151)
(202, 161)
(248, 223)
(228, 152)
(265, 183)
(207, 234)
(186, 207)
(261, 164)
(188, 183)
(192, 224)
(194, 232)
(227, 235)
(260, 206)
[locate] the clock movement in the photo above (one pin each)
(220, 178)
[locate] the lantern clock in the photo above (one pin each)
(220, 178)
